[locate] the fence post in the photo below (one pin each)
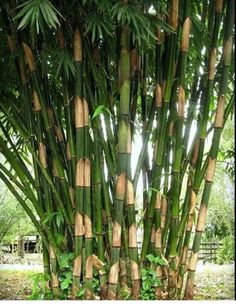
(20, 246)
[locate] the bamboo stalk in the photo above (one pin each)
(226, 59)
(122, 162)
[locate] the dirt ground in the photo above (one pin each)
(214, 282)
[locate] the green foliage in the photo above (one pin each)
(65, 260)
(40, 287)
(149, 282)
(98, 26)
(99, 110)
(13, 219)
(66, 280)
(96, 284)
(157, 260)
(226, 253)
(124, 293)
(80, 293)
(143, 28)
(220, 216)
(55, 217)
(149, 277)
(66, 65)
(37, 13)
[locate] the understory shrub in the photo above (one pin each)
(226, 253)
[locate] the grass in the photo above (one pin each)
(16, 284)
(213, 282)
(216, 282)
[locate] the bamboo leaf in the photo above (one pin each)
(98, 111)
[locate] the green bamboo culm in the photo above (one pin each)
(122, 160)
(175, 185)
(80, 163)
(132, 229)
(218, 124)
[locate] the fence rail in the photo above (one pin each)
(208, 251)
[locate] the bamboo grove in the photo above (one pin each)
(81, 80)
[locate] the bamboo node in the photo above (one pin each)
(159, 271)
(79, 113)
(22, 72)
(72, 196)
(89, 268)
(185, 35)
(111, 295)
(77, 45)
(190, 223)
(164, 205)
(129, 140)
(120, 186)
(51, 253)
(201, 218)
(114, 272)
(122, 265)
(171, 128)
(77, 266)
(219, 117)
(98, 264)
(195, 155)
(68, 153)
(218, 6)
(134, 270)
(193, 262)
(86, 112)
(227, 50)
(79, 227)
(87, 227)
(158, 95)
(37, 105)
(159, 36)
(132, 236)
(212, 63)
(54, 169)
(210, 170)
(129, 193)
(184, 255)
(158, 239)
(29, 58)
(163, 221)
(80, 173)
(61, 39)
(189, 291)
(134, 61)
(181, 101)
(11, 43)
(88, 295)
(59, 134)
(153, 234)
(193, 200)
(87, 173)
(42, 155)
(55, 281)
(174, 14)
(116, 241)
(158, 201)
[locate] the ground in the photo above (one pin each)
(214, 282)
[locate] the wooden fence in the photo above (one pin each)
(208, 251)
